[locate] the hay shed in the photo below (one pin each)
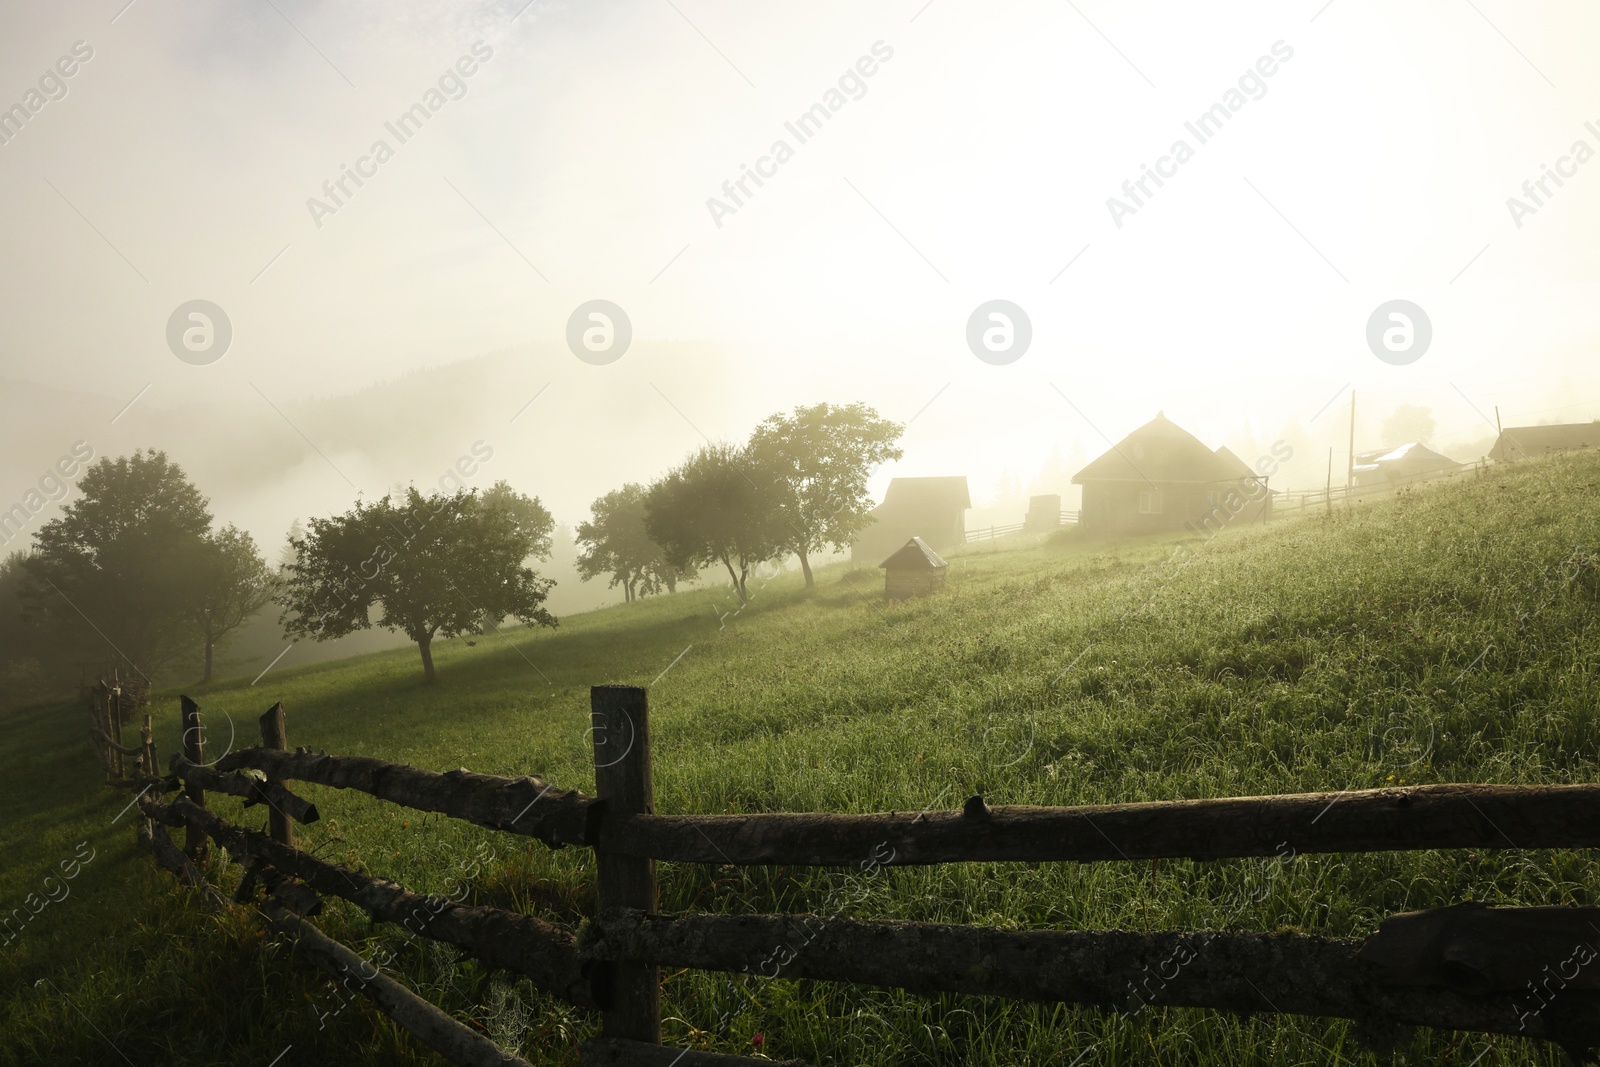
(914, 570)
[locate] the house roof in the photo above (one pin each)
(1240, 468)
(915, 554)
(927, 492)
(1519, 442)
(1161, 451)
(1410, 457)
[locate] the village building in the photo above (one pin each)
(1161, 477)
(934, 509)
(1396, 466)
(915, 570)
(1044, 513)
(1531, 442)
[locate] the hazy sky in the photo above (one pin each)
(975, 163)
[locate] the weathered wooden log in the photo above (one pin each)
(528, 806)
(619, 1052)
(1291, 974)
(1477, 950)
(126, 750)
(543, 952)
(296, 896)
(253, 790)
(451, 1039)
(620, 724)
(1378, 820)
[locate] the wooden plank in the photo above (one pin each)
(1377, 820)
(543, 952)
(275, 735)
(529, 806)
(617, 1052)
(621, 730)
(1244, 973)
(453, 1040)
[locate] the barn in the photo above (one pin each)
(1529, 442)
(1161, 477)
(933, 509)
(915, 570)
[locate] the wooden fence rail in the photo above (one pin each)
(1464, 968)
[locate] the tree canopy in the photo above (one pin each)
(116, 568)
(713, 508)
(615, 541)
(230, 583)
(818, 460)
(430, 566)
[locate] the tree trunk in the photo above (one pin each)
(211, 644)
(805, 568)
(425, 645)
(733, 576)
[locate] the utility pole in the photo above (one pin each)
(1350, 471)
(1497, 428)
(1328, 493)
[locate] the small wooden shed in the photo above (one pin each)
(915, 570)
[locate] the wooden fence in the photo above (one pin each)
(992, 533)
(1467, 967)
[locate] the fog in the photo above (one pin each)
(382, 330)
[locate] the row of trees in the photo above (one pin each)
(797, 487)
(133, 573)
(137, 564)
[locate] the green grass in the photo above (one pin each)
(1445, 634)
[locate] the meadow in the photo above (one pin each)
(1445, 632)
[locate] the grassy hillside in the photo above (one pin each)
(1444, 634)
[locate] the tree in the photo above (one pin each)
(114, 568)
(818, 460)
(1407, 423)
(713, 509)
(230, 584)
(432, 566)
(615, 542)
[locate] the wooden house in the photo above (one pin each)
(1397, 466)
(1044, 513)
(934, 509)
(1161, 477)
(915, 570)
(1530, 442)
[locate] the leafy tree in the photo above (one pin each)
(1407, 423)
(114, 569)
(818, 460)
(434, 565)
(615, 542)
(230, 583)
(713, 509)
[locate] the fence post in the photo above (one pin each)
(116, 731)
(194, 750)
(620, 723)
(147, 749)
(275, 735)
